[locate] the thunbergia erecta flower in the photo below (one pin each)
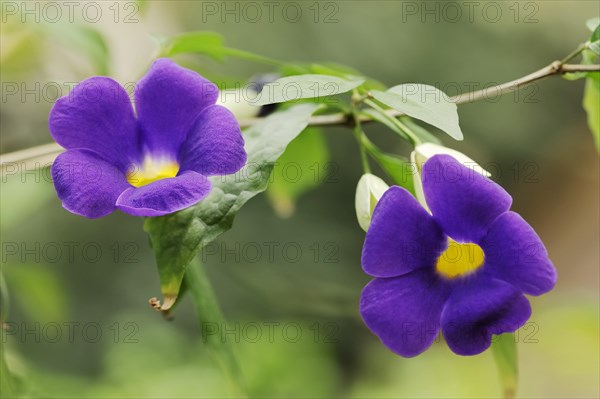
(463, 269)
(150, 162)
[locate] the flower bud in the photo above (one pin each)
(423, 152)
(369, 190)
(237, 101)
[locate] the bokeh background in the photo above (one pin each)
(539, 140)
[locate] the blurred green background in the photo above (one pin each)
(539, 141)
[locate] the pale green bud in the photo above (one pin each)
(369, 190)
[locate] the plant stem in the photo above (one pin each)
(360, 134)
(209, 314)
(411, 135)
(35, 157)
(253, 57)
(575, 53)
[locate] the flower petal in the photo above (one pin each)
(463, 201)
(97, 115)
(86, 184)
(479, 308)
(404, 312)
(214, 145)
(165, 196)
(402, 236)
(168, 100)
(514, 253)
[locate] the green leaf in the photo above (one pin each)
(176, 238)
(302, 167)
(591, 104)
(291, 88)
(595, 47)
(504, 349)
(425, 103)
(594, 43)
(593, 24)
(397, 167)
(347, 72)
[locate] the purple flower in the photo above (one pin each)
(462, 270)
(148, 163)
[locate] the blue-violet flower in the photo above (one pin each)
(148, 163)
(463, 269)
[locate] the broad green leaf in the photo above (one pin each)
(347, 72)
(297, 87)
(594, 44)
(594, 25)
(425, 103)
(178, 237)
(331, 69)
(302, 167)
(504, 349)
(591, 104)
(589, 55)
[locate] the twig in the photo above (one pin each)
(44, 155)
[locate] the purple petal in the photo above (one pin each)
(402, 236)
(463, 202)
(165, 196)
(479, 308)
(514, 253)
(404, 312)
(97, 115)
(168, 100)
(86, 184)
(215, 145)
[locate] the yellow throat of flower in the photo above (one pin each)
(459, 259)
(152, 170)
